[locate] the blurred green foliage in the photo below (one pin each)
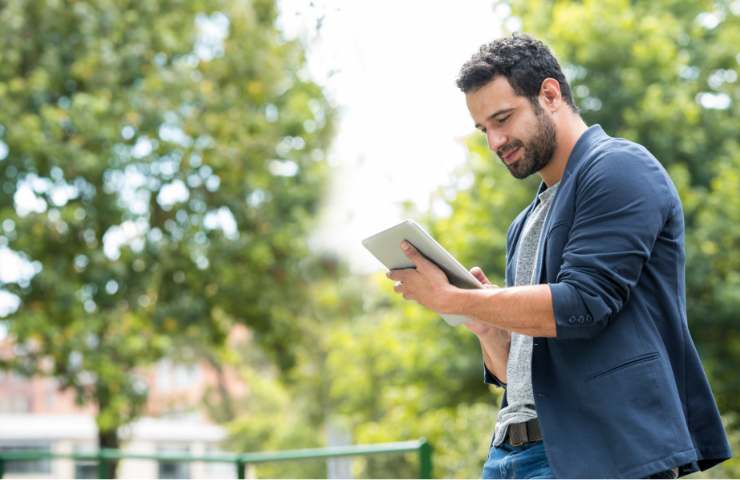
(164, 163)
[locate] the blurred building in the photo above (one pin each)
(35, 414)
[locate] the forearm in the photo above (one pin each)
(526, 310)
(495, 351)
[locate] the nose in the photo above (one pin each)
(495, 140)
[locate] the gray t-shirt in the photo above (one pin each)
(519, 393)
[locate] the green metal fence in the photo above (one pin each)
(104, 457)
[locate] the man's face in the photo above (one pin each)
(522, 135)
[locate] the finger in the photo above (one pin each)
(478, 273)
(398, 288)
(414, 255)
(399, 275)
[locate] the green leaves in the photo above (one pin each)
(174, 158)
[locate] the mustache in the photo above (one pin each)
(505, 149)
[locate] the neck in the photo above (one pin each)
(570, 128)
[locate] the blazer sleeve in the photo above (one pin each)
(490, 378)
(622, 202)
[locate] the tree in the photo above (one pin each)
(162, 165)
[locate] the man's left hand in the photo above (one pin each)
(427, 284)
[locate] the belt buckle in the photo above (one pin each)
(518, 434)
(515, 443)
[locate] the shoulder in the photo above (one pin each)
(619, 167)
(620, 156)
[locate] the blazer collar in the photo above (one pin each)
(588, 139)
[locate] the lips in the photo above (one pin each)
(510, 156)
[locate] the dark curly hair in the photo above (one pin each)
(525, 62)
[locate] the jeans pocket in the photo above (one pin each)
(531, 462)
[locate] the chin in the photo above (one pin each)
(519, 172)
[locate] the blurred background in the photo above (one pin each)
(184, 186)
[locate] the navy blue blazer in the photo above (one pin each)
(620, 392)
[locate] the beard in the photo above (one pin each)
(537, 152)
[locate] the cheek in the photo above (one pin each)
(526, 136)
(526, 130)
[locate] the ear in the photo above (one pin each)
(550, 94)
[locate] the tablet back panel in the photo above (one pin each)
(386, 247)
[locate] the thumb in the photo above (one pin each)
(478, 273)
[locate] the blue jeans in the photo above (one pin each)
(525, 461)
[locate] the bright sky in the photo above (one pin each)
(390, 67)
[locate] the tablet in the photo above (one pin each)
(386, 247)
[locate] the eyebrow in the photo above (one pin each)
(495, 114)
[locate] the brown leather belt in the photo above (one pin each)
(521, 433)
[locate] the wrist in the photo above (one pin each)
(495, 339)
(496, 334)
(469, 302)
(452, 300)
(447, 299)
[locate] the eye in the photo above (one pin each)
(502, 120)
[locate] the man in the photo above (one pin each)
(589, 337)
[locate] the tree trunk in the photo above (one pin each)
(108, 439)
(227, 406)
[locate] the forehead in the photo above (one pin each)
(494, 96)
